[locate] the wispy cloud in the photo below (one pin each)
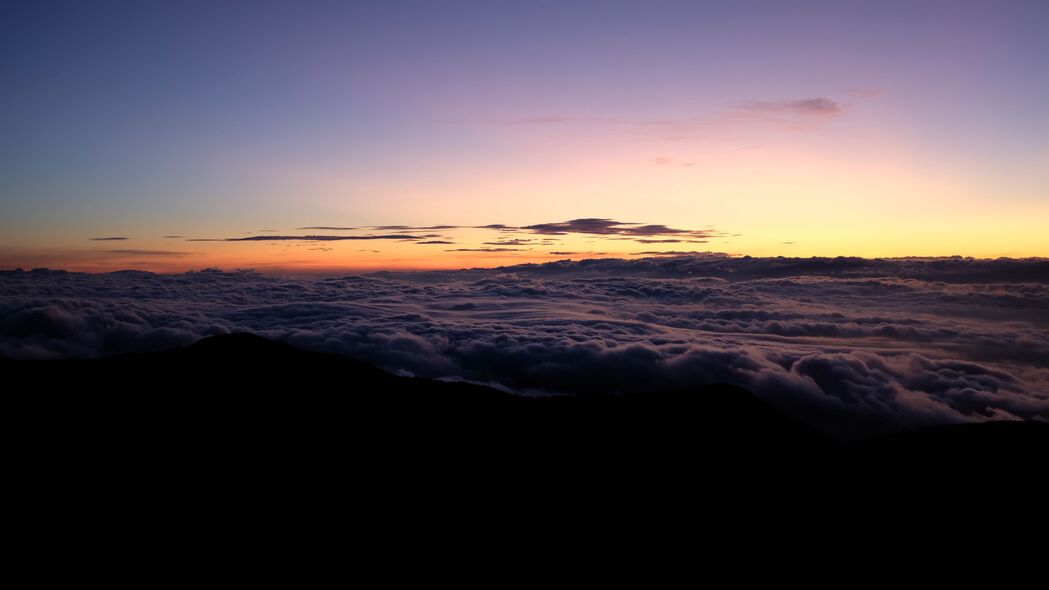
(148, 252)
(110, 239)
(310, 238)
(817, 107)
(509, 238)
(664, 161)
(327, 228)
(667, 253)
(486, 250)
(511, 242)
(684, 127)
(865, 92)
(545, 120)
(411, 228)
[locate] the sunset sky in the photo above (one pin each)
(580, 129)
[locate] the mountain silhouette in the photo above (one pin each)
(239, 460)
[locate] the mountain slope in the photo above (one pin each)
(249, 461)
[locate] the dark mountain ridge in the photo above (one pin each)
(245, 461)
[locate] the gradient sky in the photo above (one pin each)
(763, 128)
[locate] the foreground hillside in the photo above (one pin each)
(245, 461)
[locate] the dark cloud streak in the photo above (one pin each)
(486, 250)
(311, 238)
(602, 228)
(148, 252)
(608, 227)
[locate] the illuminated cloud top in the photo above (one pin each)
(853, 344)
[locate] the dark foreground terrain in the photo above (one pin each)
(240, 461)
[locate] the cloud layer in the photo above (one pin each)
(852, 345)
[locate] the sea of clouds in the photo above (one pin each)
(851, 345)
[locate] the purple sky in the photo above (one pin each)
(801, 128)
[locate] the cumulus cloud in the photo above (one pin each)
(852, 345)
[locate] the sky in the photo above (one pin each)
(461, 134)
